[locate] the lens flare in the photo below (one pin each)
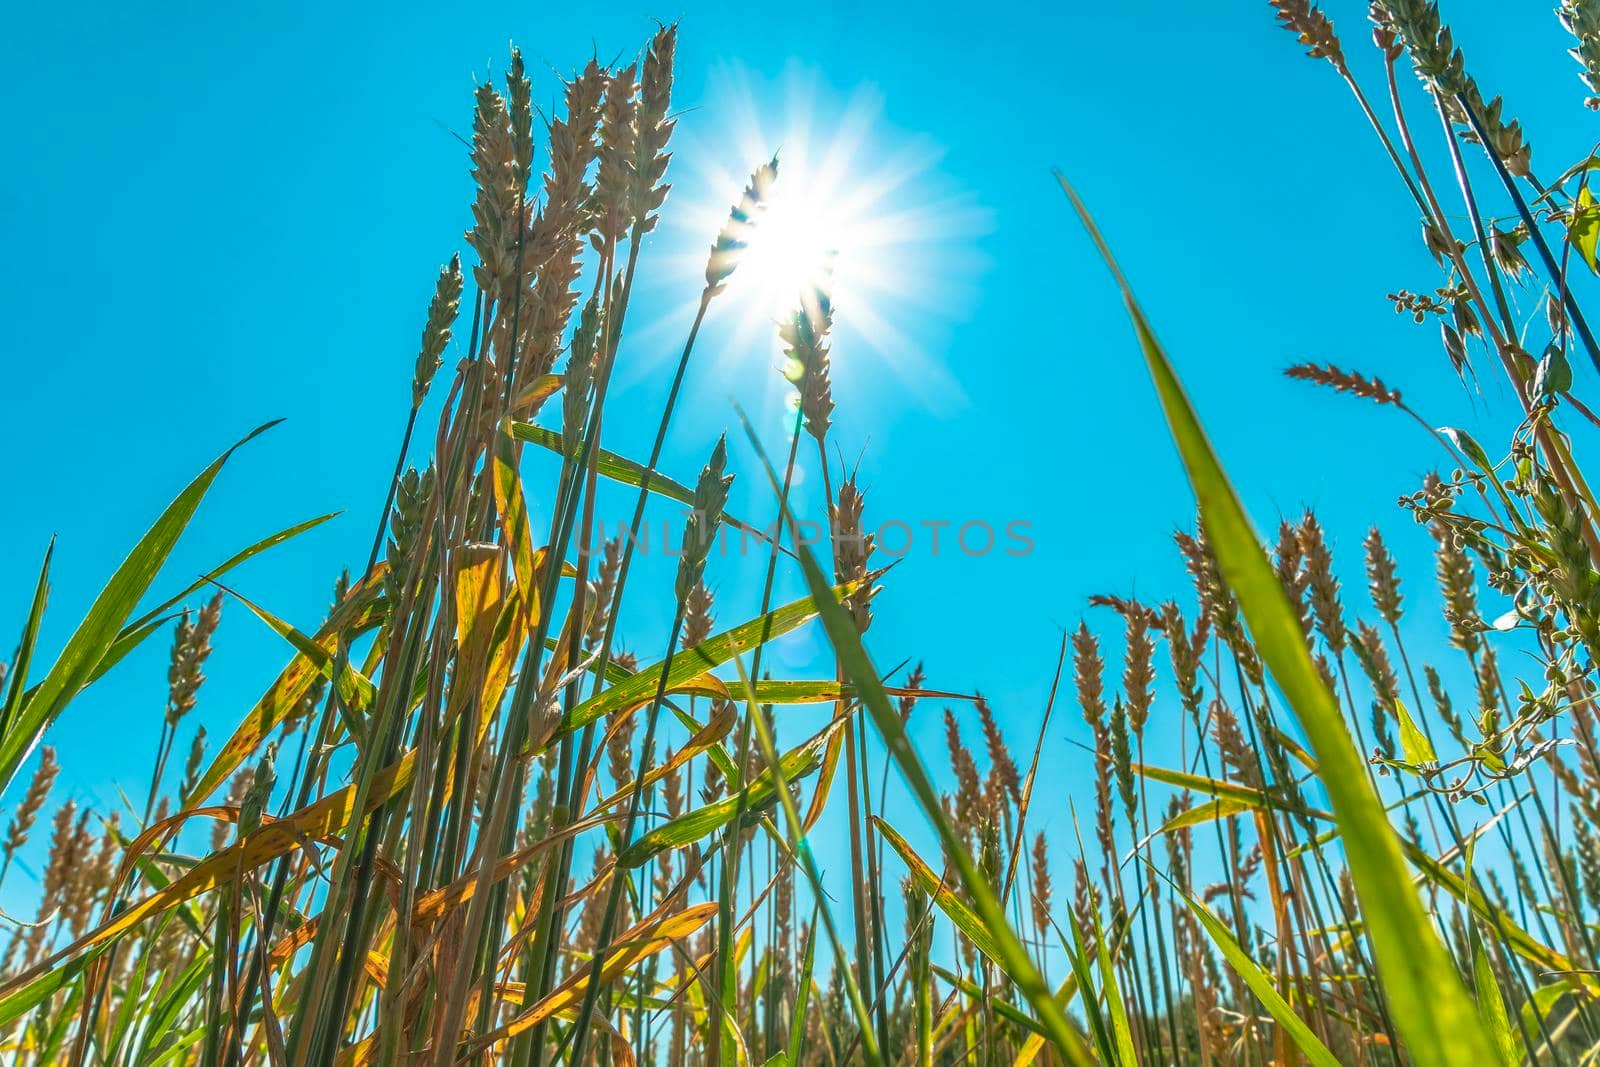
(858, 207)
(795, 248)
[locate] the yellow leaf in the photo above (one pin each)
(1584, 229)
(1413, 742)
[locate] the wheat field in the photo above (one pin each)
(464, 824)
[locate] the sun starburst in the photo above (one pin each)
(858, 207)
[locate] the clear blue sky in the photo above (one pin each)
(216, 216)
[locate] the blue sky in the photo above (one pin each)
(216, 217)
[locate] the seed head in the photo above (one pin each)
(648, 191)
(578, 381)
(1582, 19)
(1231, 744)
(519, 93)
(1324, 587)
(672, 788)
(618, 144)
(97, 879)
(1216, 601)
(1442, 70)
(1085, 906)
(1374, 659)
(969, 790)
(1288, 563)
(411, 500)
(710, 496)
(1138, 676)
(697, 616)
(191, 645)
(1122, 759)
(605, 588)
(1351, 382)
(64, 860)
(558, 227)
(805, 337)
(853, 548)
(1104, 831)
(83, 885)
(1458, 583)
(587, 935)
(1186, 649)
(1001, 767)
(1041, 885)
(736, 232)
(191, 766)
(1314, 29)
(1383, 580)
(259, 794)
(1088, 671)
(436, 331)
(494, 212)
(572, 149)
(620, 726)
(919, 925)
(1505, 246)
(27, 813)
(913, 681)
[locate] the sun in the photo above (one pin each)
(858, 208)
(826, 222)
(799, 245)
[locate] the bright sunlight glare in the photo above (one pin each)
(857, 208)
(798, 245)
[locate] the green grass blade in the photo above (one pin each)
(242, 556)
(1244, 795)
(19, 1002)
(1492, 1007)
(1511, 935)
(1002, 1009)
(625, 471)
(846, 640)
(356, 691)
(802, 996)
(1537, 1010)
(1078, 957)
(1429, 1004)
(696, 825)
(360, 611)
(179, 1049)
(799, 851)
(130, 638)
(1114, 1004)
(692, 662)
(30, 637)
(163, 1015)
(99, 630)
(56, 1027)
(135, 990)
(945, 898)
(1261, 985)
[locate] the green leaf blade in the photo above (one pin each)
(1431, 1007)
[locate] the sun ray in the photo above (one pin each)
(859, 206)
